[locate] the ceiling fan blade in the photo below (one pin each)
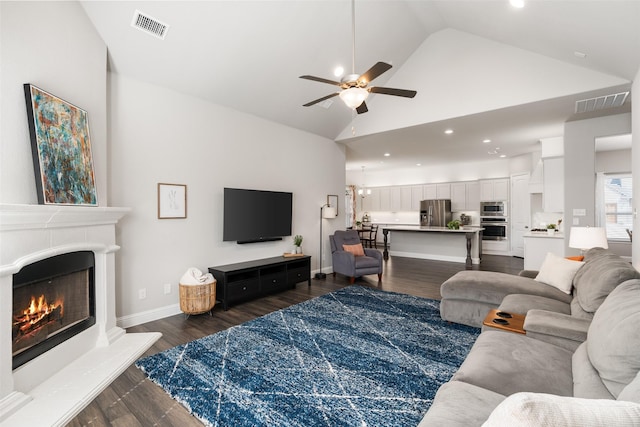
(321, 80)
(309, 104)
(362, 108)
(390, 91)
(375, 71)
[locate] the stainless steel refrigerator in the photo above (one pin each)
(435, 213)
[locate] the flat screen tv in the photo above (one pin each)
(256, 216)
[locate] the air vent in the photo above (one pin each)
(601, 102)
(149, 25)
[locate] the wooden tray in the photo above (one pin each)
(292, 255)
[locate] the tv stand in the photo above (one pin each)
(253, 279)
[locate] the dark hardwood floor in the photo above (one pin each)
(132, 400)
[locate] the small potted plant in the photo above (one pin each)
(551, 229)
(297, 241)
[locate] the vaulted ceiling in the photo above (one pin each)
(248, 55)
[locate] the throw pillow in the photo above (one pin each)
(356, 250)
(539, 409)
(558, 272)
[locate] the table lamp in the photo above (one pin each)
(584, 238)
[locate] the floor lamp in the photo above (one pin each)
(326, 211)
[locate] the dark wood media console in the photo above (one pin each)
(252, 279)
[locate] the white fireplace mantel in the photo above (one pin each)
(65, 379)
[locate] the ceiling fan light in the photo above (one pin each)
(354, 96)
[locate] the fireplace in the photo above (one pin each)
(60, 345)
(53, 300)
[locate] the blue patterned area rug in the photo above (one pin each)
(355, 357)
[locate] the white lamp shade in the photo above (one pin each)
(329, 212)
(588, 237)
(354, 96)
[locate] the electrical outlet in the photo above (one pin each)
(167, 288)
(142, 293)
(576, 221)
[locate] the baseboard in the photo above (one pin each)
(434, 257)
(148, 316)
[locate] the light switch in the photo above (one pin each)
(576, 221)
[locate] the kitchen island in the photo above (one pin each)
(437, 243)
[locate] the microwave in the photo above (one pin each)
(493, 209)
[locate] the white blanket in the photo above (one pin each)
(193, 276)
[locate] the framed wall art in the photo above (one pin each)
(61, 150)
(172, 201)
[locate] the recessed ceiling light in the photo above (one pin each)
(581, 55)
(418, 164)
(503, 155)
(338, 71)
(387, 154)
(519, 4)
(486, 141)
(448, 131)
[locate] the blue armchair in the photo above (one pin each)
(353, 266)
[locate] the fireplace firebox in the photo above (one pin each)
(53, 300)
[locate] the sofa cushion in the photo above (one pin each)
(459, 404)
(558, 272)
(356, 250)
(521, 304)
(507, 363)
(601, 273)
(631, 393)
(537, 409)
(613, 339)
(366, 262)
(586, 380)
(492, 287)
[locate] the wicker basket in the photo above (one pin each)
(197, 299)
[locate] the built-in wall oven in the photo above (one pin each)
(495, 228)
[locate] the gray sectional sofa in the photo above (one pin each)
(577, 365)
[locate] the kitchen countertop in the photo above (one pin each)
(544, 235)
(419, 228)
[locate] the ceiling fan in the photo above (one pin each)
(355, 87)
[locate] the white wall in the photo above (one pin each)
(613, 161)
(143, 135)
(579, 170)
(635, 154)
(468, 74)
(161, 136)
(450, 172)
(53, 46)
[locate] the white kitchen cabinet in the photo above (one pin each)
(443, 191)
(458, 196)
(536, 248)
(395, 199)
(430, 191)
(437, 191)
(385, 199)
(553, 185)
(371, 202)
(494, 189)
(416, 197)
(405, 198)
(473, 196)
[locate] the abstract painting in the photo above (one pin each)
(61, 149)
